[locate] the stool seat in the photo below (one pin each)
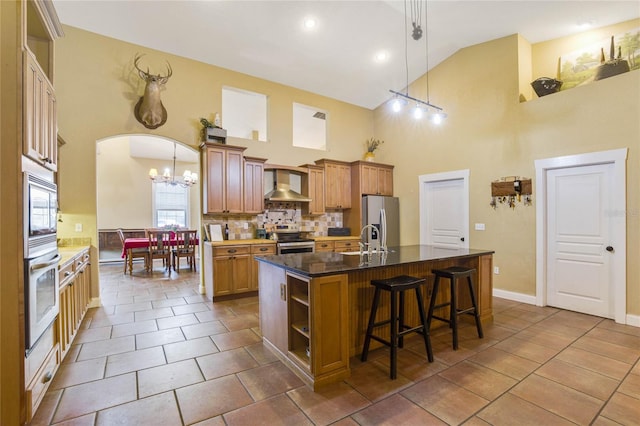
(396, 286)
(454, 273)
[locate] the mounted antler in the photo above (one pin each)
(149, 110)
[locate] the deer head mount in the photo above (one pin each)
(149, 110)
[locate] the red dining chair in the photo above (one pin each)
(185, 246)
(135, 253)
(159, 247)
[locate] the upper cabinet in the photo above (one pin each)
(39, 111)
(312, 185)
(223, 171)
(40, 121)
(337, 183)
(372, 178)
(253, 184)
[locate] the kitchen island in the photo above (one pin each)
(314, 307)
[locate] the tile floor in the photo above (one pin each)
(157, 353)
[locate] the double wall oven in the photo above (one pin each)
(41, 256)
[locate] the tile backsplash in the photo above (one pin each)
(244, 227)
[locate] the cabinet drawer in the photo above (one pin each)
(325, 246)
(66, 272)
(231, 250)
(38, 386)
(263, 249)
(346, 246)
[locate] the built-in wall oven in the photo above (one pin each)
(41, 295)
(40, 215)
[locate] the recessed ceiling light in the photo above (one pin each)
(585, 24)
(310, 23)
(381, 56)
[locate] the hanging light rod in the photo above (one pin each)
(415, 100)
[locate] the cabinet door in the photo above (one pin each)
(234, 181)
(316, 191)
(385, 181)
(344, 173)
(222, 276)
(368, 179)
(40, 125)
(259, 250)
(253, 187)
(329, 339)
(216, 189)
(274, 324)
(64, 320)
(241, 273)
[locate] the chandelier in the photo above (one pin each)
(434, 112)
(169, 178)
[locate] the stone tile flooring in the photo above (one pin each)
(158, 353)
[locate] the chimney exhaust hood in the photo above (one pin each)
(282, 191)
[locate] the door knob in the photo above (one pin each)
(609, 248)
(462, 239)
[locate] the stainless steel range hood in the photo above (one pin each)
(282, 191)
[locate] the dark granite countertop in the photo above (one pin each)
(326, 263)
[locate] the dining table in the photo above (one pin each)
(143, 242)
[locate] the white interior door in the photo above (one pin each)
(444, 210)
(578, 239)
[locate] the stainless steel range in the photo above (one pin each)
(290, 240)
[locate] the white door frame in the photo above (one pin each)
(438, 177)
(618, 216)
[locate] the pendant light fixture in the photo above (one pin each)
(400, 100)
(187, 179)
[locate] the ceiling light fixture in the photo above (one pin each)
(416, 16)
(187, 180)
(310, 23)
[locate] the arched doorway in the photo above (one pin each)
(125, 194)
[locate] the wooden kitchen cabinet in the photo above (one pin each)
(223, 171)
(40, 115)
(254, 185)
(372, 178)
(258, 250)
(312, 185)
(337, 184)
(294, 321)
(75, 296)
(227, 269)
(337, 246)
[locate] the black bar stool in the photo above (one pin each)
(397, 285)
(453, 274)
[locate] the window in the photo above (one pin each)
(170, 205)
(309, 127)
(244, 114)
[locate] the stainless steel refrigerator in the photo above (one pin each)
(372, 207)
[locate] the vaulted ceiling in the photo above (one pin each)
(336, 58)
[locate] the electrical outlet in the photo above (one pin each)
(78, 227)
(479, 226)
(496, 270)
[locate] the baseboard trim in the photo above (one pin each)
(516, 297)
(633, 320)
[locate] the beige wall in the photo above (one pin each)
(489, 131)
(124, 191)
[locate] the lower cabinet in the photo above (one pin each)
(42, 362)
(232, 269)
(306, 321)
(75, 295)
(338, 246)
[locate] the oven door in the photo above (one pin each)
(296, 247)
(41, 296)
